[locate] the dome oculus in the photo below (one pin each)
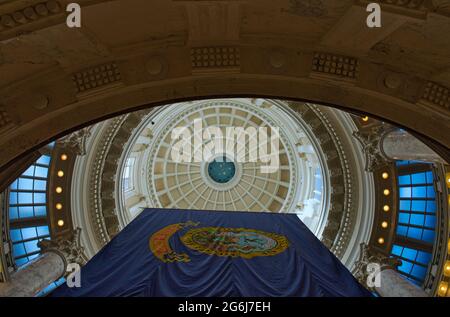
(221, 170)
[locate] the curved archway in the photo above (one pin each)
(132, 55)
(58, 122)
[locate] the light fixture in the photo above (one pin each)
(443, 287)
(385, 175)
(386, 192)
(64, 157)
(384, 224)
(447, 177)
(58, 190)
(380, 240)
(60, 173)
(60, 222)
(386, 208)
(365, 118)
(59, 206)
(447, 268)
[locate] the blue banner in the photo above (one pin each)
(189, 253)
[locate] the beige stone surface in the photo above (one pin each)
(294, 49)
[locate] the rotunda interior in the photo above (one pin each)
(286, 107)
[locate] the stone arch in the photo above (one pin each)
(56, 79)
(60, 121)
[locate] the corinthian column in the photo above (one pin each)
(377, 273)
(50, 266)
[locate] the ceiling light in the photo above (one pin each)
(447, 268)
(443, 287)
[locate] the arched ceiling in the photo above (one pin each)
(135, 53)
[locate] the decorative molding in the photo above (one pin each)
(102, 204)
(69, 249)
(370, 140)
(76, 141)
(441, 6)
(412, 10)
(95, 192)
(437, 95)
(406, 4)
(213, 58)
(368, 256)
(342, 211)
(307, 8)
(327, 64)
(97, 78)
(29, 14)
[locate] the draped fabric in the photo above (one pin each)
(210, 253)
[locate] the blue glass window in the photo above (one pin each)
(417, 205)
(28, 202)
(416, 218)
(414, 262)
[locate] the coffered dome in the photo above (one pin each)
(235, 179)
(167, 157)
(212, 184)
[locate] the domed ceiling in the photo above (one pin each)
(237, 177)
(233, 154)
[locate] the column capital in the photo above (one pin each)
(367, 256)
(370, 140)
(70, 249)
(76, 141)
